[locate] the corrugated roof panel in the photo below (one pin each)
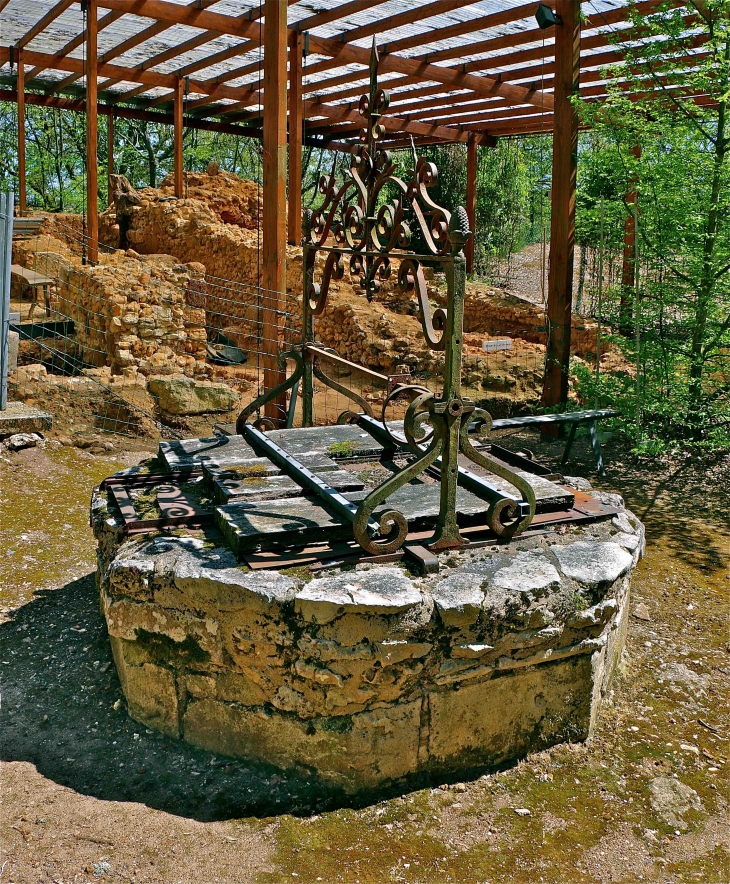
(463, 48)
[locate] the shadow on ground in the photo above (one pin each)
(59, 689)
(678, 499)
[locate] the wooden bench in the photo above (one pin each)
(574, 418)
(25, 228)
(34, 281)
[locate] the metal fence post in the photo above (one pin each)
(6, 250)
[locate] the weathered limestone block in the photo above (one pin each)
(593, 564)
(152, 697)
(378, 592)
(459, 599)
(182, 395)
(511, 715)
(359, 752)
(368, 675)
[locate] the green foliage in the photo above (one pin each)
(512, 208)
(676, 155)
(143, 152)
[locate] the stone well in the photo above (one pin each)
(366, 676)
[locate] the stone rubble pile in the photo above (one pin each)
(209, 226)
(129, 311)
(183, 269)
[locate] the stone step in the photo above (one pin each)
(248, 467)
(248, 526)
(549, 496)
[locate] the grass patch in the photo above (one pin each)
(145, 503)
(249, 471)
(348, 448)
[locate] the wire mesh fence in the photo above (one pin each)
(147, 345)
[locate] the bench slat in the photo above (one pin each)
(570, 417)
(30, 276)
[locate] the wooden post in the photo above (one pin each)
(109, 156)
(274, 212)
(178, 137)
(471, 200)
(562, 222)
(628, 267)
(22, 190)
(296, 45)
(92, 165)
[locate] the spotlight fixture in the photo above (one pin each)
(546, 18)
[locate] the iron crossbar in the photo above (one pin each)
(467, 479)
(304, 477)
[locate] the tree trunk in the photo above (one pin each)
(581, 278)
(707, 278)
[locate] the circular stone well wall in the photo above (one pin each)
(366, 676)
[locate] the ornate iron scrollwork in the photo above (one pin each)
(363, 227)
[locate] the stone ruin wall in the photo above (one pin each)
(215, 225)
(146, 307)
(130, 312)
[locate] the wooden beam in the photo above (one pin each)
(136, 40)
(178, 138)
(451, 77)
(419, 13)
(190, 16)
(108, 19)
(92, 167)
(22, 185)
(163, 10)
(148, 78)
(130, 113)
(274, 198)
(492, 44)
(340, 10)
(296, 122)
(562, 221)
(471, 199)
(349, 113)
(209, 60)
(465, 27)
(52, 14)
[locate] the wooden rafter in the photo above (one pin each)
(337, 12)
(163, 10)
(452, 100)
(491, 45)
(52, 14)
(130, 43)
(77, 41)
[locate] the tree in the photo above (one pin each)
(670, 99)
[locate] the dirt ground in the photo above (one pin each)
(87, 794)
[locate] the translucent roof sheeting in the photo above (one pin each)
(142, 56)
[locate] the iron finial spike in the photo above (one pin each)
(374, 59)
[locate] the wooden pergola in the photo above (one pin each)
(291, 72)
